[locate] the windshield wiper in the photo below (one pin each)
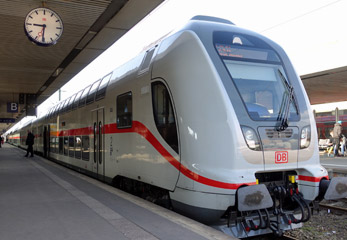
(287, 98)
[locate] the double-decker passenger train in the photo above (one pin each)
(212, 121)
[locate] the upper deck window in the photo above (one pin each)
(257, 73)
(102, 87)
(83, 98)
(76, 100)
(69, 106)
(92, 92)
(63, 109)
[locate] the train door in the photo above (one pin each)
(98, 157)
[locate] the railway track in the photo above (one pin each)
(335, 206)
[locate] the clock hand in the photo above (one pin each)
(39, 25)
(43, 33)
(39, 34)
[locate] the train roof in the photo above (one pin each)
(200, 24)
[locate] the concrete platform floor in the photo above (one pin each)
(42, 200)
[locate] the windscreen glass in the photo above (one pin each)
(258, 75)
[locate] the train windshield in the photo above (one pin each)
(258, 75)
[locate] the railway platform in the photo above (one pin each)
(43, 200)
(334, 164)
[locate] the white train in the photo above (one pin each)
(213, 121)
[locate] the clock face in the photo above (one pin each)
(43, 26)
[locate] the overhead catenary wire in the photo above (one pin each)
(299, 16)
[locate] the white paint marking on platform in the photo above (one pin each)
(131, 231)
(334, 165)
(199, 228)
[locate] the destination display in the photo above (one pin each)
(232, 51)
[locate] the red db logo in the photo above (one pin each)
(281, 157)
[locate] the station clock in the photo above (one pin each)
(43, 26)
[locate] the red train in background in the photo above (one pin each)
(325, 124)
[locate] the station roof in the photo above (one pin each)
(326, 86)
(90, 27)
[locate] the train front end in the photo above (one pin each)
(278, 132)
(249, 159)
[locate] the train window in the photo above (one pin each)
(78, 145)
(164, 114)
(77, 98)
(83, 98)
(146, 61)
(261, 88)
(60, 110)
(92, 92)
(258, 74)
(63, 110)
(85, 148)
(124, 110)
(102, 87)
(66, 146)
(71, 146)
(56, 145)
(329, 131)
(49, 112)
(69, 105)
(61, 145)
(55, 113)
(242, 47)
(52, 145)
(52, 111)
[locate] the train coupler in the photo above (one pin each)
(254, 200)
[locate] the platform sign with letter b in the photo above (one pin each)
(12, 107)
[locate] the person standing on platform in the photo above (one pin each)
(30, 143)
(343, 144)
(336, 136)
(1, 141)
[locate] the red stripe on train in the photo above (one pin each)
(311, 179)
(141, 129)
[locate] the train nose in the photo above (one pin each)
(335, 188)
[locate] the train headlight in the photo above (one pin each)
(251, 138)
(305, 137)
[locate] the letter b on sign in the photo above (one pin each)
(12, 107)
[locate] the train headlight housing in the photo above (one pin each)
(305, 137)
(251, 138)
